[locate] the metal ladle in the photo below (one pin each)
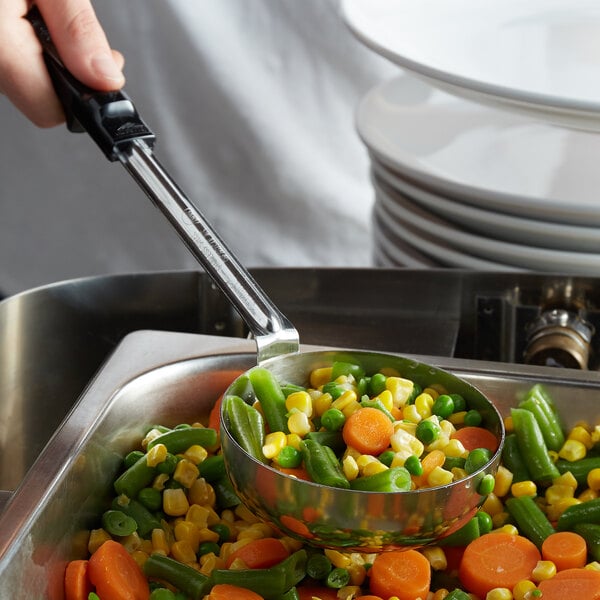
(344, 519)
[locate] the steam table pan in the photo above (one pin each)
(173, 377)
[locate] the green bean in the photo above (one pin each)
(212, 468)
(585, 512)
(463, 536)
(530, 518)
(246, 426)
(340, 368)
(269, 583)
(179, 440)
(533, 447)
(224, 493)
(162, 594)
(512, 459)
(271, 398)
(116, 522)
(590, 532)
(322, 465)
(151, 498)
(131, 458)
(579, 468)
(137, 476)
(334, 389)
(333, 439)
(538, 402)
(318, 566)
(181, 576)
(338, 578)
(396, 479)
(146, 521)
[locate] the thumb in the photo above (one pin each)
(82, 44)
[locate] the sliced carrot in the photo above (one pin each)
(298, 472)
(296, 526)
(368, 430)
(227, 591)
(566, 549)
(116, 575)
(405, 574)
(214, 417)
(572, 583)
(497, 560)
(429, 462)
(77, 582)
(476, 437)
(261, 553)
(368, 597)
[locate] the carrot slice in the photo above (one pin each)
(497, 560)
(214, 417)
(476, 437)
(116, 575)
(402, 574)
(77, 582)
(368, 430)
(260, 554)
(311, 591)
(429, 462)
(572, 583)
(566, 549)
(227, 591)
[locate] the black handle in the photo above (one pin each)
(110, 118)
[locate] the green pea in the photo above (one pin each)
(168, 465)
(476, 459)
(460, 403)
(333, 419)
(335, 390)
(413, 465)
(151, 498)
(485, 522)
(387, 457)
(443, 406)
(486, 485)
(162, 594)
(208, 547)
(427, 431)
(223, 531)
(473, 418)
(377, 384)
(289, 457)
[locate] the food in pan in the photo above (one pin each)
(176, 530)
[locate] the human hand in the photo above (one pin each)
(81, 44)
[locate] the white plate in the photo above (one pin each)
(436, 248)
(539, 56)
(482, 156)
(403, 215)
(497, 225)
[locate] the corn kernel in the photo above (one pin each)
(553, 454)
(440, 594)
(587, 494)
(499, 593)
(593, 566)
(151, 436)
(175, 502)
(523, 589)
(300, 401)
(207, 535)
(492, 505)
(500, 519)
(319, 377)
(159, 481)
(299, 423)
(423, 404)
(411, 414)
(508, 424)
(457, 418)
(566, 478)
(346, 399)
(131, 542)
(400, 388)
(545, 569)
(274, 443)
(439, 476)
(406, 426)
(140, 557)
(524, 488)
(338, 559)
(196, 454)
(373, 467)
(186, 473)
(559, 507)
(386, 399)
(593, 479)
(183, 552)
(321, 403)
(160, 542)
(97, 538)
(581, 434)
(436, 557)
(503, 481)
(156, 455)
(447, 428)
(508, 528)
(402, 440)
(557, 492)
(210, 562)
(350, 468)
(293, 440)
(188, 531)
(202, 493)
(358, 574)
(572, 450)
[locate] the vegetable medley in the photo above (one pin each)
(375, 433)
(176, 530)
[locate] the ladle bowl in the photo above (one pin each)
(346, 519)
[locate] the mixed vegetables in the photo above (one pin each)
(176, 530)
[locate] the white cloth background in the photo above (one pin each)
(253, 105)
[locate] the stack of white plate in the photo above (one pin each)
(469, 179)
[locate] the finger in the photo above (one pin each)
(81, 43)
(24, 78)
